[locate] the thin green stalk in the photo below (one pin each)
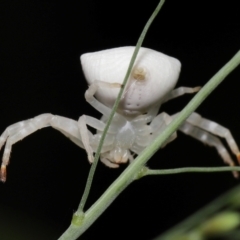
(190, 170)
(97, 155)
(134, 168)
(226, 200)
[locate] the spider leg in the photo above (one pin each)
(159, 124)
(204, 130)
(84, 135)
(89, 95)
(216, 129)
(153, 111)
(179, 92)
(156, 127)
(85, 120)
(20, 130)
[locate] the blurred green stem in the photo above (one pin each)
(229, 199)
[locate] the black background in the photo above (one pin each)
(40, 45)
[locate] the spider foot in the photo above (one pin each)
(238, 157)
(3, 173)
(235, 173)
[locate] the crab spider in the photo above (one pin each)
(137, 122)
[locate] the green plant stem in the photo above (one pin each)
(190, 170)
(115, 106)
(226, 200)
(134, 168)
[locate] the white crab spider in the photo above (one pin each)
(136, 123)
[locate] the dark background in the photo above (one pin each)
(40, 45)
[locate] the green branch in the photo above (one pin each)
(81, 222)
(190, 170)
(131, 172)
(228, 200)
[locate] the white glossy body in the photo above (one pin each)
(136, 124)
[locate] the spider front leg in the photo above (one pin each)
(20, 130)
(91, 91)
(87, 120)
